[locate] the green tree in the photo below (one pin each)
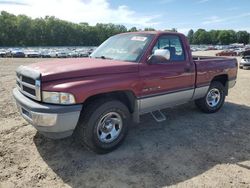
(133, 29)
(227, 37)
(214, 36)
(224, 37)
(21, 30)
(201, 36)
(242, 37)
(190, 36)
(149, 29)
(233, 36)
(49, 31)
(8, 29)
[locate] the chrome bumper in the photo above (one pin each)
(55, 121)
(244, 64)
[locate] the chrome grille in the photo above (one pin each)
(31, 87)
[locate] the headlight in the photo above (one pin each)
(58, 97)
(243, 61)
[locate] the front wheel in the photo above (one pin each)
(103, 125)
(214, 98)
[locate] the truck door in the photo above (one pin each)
(167, 83)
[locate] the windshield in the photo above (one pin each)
(123, 47)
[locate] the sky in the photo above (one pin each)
(159, 14)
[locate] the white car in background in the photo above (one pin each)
(245, 62)
(53, 54)
(239, 51)
(2, 53)
(33, 53)
(62, 54)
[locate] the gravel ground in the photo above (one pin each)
(189, 149)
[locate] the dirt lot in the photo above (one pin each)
(190, 149)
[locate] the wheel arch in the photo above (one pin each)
(223, 79)
(127, 97)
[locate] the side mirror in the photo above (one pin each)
(159, 56)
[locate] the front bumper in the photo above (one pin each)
(245, 64)
(54, 121)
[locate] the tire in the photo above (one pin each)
(92, 126)
(209, 105)
(241, 67)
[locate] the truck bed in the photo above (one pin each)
(210, 67)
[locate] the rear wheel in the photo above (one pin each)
(214, 98)
(103, 125)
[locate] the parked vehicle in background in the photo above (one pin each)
(236, 45)
(83, 53)
(227, 53)
(245, 62)
(8, 54)
(246, 53)
(90, 51)
(2, 53)
(45, 54)
(32, 54)
(53, 54)
(193, 49)
(130, 74)
(239, 51)
(211, 48)
(62, 54)
(247, 47)
(73, 54)
(17, 53)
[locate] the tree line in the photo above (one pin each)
(223, 37)
(22, 30)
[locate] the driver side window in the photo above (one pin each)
(173, 44)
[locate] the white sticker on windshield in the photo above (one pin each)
(138, 38)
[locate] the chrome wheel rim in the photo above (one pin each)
(213, 97)
(109, 127)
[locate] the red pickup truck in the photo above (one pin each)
(130, 74)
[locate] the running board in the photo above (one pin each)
(158, 116)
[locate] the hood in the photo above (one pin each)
(81, 67)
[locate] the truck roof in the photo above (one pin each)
(154, 32)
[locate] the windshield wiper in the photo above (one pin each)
(104, 57)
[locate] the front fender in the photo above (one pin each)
(83, 88)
